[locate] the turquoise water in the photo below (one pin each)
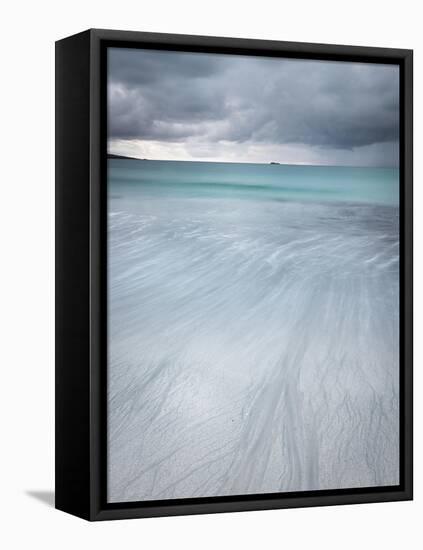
(253, 322)
(258, 181)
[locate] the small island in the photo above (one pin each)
(274, 162)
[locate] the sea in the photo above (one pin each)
(253, 328)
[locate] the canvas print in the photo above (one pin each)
(253, 275)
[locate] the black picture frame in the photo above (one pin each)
(81, 300)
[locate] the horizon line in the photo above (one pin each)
(270, 163)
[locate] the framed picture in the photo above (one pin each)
(234, 274)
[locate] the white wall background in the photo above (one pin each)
(28, 31)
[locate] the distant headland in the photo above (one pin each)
(122, 157)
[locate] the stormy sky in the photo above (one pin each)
(195, 106)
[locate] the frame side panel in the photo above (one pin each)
(407, 274)
(72, 275)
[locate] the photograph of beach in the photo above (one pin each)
(253, 275)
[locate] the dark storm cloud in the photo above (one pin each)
(171, 97)
(163, 95)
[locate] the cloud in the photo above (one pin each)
(207, 105)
